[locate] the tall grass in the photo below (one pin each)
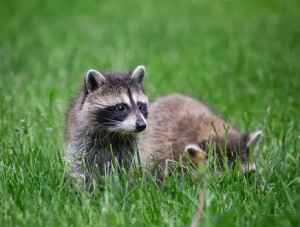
(239, 56)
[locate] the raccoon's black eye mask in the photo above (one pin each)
(143, 107)
(109, 115)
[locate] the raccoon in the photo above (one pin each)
(180, 123)
(103, 121)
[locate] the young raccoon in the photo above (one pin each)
(104, 118)
(180, 123)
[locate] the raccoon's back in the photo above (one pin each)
(175, 121)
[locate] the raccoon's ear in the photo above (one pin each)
(197, 155)
(253, 138)
(192, 149)
(93, 80)
(139, 73)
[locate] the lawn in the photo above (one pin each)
(241, 57)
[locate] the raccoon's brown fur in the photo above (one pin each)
(180, 123)
(103, 121)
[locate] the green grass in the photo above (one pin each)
(242, 57)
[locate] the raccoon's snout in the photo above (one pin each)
(140, 125)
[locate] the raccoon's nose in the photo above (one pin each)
(140, 126)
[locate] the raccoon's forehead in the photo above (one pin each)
(111, 96)
(117, 77)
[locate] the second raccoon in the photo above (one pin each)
(180, 123)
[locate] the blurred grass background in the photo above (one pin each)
(241, 57)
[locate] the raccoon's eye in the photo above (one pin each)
(140, 106)
(120, 108)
